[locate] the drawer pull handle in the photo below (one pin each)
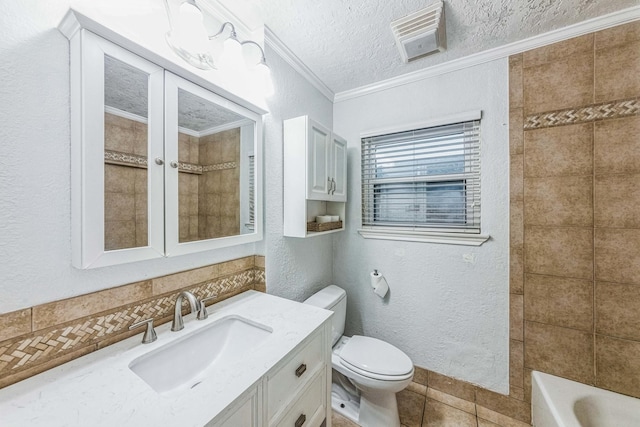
(300, 421)
(301, 370)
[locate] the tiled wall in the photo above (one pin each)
(188, 189)
(38, 338)
(125, 184)
(208, 185)
(575, 228)
(220, 190)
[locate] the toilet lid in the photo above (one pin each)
(375, 356)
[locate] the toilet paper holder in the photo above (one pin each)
(379, 284)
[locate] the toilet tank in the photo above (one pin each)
(335, 299)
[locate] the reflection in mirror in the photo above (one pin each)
(125, 157)
(215, 185)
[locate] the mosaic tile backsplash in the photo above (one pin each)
(42, 337)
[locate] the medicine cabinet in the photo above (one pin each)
(160, 166)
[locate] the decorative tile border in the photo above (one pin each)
(21, 356)
(606, 110)
(125, 159)
(219, 167)
(189, 168)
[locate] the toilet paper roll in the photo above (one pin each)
(379, 284)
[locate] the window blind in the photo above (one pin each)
(423, 179)
(252, 172)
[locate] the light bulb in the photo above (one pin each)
(263, 76)
(191, 32)
(189, 37)
(231, 58)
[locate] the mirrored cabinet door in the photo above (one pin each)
(212, 151)
(160, 166)
(118, 155)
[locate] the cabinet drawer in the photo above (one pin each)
(296, 372)
(309, 409)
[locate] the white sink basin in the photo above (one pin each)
(186, 362)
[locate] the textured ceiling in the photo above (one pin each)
(126, 89)
(349, 44)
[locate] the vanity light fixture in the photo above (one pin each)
(188, 38)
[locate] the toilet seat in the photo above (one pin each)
(375, 359)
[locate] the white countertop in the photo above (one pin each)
(99, 389)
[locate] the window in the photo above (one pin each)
(423, 182)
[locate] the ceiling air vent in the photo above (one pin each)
(421, 33)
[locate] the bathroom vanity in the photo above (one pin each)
(258, 360)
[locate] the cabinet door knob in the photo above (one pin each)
(301, 370)
(159, 161)
(173, 164)
(300, 421)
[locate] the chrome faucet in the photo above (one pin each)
(178, 323)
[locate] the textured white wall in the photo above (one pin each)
(295, 267)
(35, 246)
(448, 306)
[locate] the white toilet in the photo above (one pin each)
(367, 372)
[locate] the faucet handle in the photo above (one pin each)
(149, 334)
(202, 313)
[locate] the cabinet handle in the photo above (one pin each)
(333, 186)
(159, 161)
(301, 370)
(300, 421)
(173, 164)
(330, 186)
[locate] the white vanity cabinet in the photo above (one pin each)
(160, 166)
(242, 413)
(281, 380)
(296, 387)
(315, 175)
(295, 392)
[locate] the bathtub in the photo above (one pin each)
(558, 402)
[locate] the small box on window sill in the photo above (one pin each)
(324, 226)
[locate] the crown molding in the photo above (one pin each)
(224, 127)
(575, 30)
(290, 58)
(125, 114)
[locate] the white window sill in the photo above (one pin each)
(467, 239)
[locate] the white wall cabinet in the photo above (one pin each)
(146, 182)
(338, 168)
(326, 159)
(315, 175)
